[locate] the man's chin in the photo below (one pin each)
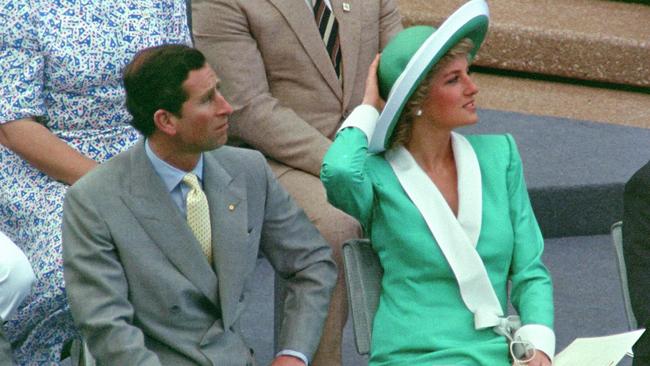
(213, 145)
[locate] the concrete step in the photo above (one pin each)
(557, 99)
(602, 41)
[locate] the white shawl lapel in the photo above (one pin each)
(456, 237)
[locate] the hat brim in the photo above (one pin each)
(469, 21)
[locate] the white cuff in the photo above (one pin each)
(540, 336)
(288, 352)
(363, 117)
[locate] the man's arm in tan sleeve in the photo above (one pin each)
(221, 32)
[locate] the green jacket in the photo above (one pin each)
(421, 318)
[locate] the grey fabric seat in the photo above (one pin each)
(363, 274)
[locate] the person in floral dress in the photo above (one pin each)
(61, 113)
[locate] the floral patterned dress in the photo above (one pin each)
(61, 62)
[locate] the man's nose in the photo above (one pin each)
(224, 106)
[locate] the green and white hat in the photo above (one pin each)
(411, 54)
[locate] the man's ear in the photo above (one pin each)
(165, 122)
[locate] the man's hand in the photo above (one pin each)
(288, 361)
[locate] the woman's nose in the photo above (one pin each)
(470, 88)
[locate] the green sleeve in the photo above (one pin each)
(345, 177)
(532, 289)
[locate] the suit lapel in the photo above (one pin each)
(350, 37)
(228, 211)
(147, 197)
(301, 20)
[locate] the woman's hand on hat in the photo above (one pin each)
(371, 96)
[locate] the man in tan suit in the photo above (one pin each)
(288, 100)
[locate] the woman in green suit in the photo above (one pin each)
(448, 216)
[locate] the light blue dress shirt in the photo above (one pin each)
(173, 177)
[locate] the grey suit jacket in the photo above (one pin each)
(139, 287)
(278, 76)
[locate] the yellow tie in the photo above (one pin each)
(198, 214)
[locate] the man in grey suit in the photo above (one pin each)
(289, 98)
(142, 288)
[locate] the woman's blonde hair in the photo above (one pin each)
(402, 133)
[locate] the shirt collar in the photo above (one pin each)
(170, 175)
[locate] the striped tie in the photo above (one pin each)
(329, 31)
(198, 214)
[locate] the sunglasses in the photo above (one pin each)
(522, 352)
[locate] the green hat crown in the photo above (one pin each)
(397, 54)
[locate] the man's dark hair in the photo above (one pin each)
(154, 79)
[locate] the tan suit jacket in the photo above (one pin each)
(277, 75)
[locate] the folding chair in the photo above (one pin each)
(617, 239)
(363, 274)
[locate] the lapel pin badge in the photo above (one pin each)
(346, 6)
(231, 207)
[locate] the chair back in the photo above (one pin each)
(617, 239)
(363, 274)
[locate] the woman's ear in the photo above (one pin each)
(165, 122)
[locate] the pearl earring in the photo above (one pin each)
(418, 112)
